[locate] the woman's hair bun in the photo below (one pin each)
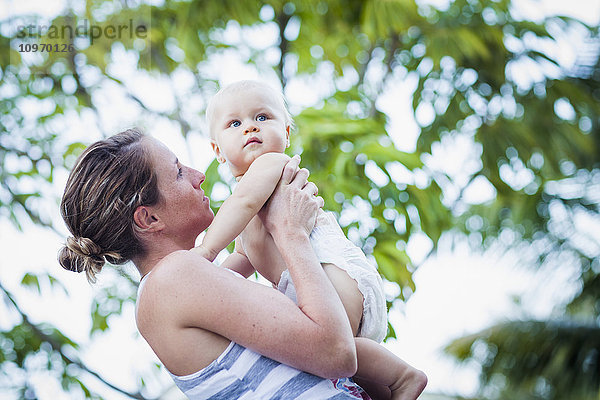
(82, 254)
(84, 246)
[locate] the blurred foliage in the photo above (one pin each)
(550, 219)
(535, 142)
(535, 359)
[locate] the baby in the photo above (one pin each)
(250, 128)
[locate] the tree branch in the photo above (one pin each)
(57, 346)
(282, 21)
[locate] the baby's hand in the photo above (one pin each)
(204, 252)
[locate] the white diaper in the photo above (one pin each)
(332, 246)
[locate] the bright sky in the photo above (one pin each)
(457, 292)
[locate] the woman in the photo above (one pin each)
(129, 198)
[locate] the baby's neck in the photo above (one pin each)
(239, 177)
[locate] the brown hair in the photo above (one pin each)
(111, 178)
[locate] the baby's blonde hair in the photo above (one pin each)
(241, 86)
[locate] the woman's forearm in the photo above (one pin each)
(316, 295)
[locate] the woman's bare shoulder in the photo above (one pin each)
(176, 280)
(179, 267)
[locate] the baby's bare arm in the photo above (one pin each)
(238, 261)
(250, 194)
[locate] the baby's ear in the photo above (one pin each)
(217, 151)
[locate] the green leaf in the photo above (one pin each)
(31, 281)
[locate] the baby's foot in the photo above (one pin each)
(410, 385)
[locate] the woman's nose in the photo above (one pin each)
(198, 178)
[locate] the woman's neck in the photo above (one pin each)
(155, 254)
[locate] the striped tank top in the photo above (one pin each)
(240, 373)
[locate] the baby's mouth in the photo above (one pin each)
(252, 140)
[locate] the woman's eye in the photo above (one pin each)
(261, 118)
(180, 172)
(234, 124)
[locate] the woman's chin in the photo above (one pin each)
(206, 223)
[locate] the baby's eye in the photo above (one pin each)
(234, 124)
(179, 172)
(261, 117)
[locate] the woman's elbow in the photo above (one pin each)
(348, 365)
(343, 360)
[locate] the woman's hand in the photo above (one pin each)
(294, 203)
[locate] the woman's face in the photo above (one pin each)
(183, 207)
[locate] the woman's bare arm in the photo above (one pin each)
(312, 338)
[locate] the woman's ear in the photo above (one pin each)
(145, 220)
(287, 136)
(217, 151)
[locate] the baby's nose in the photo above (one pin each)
(251, 128)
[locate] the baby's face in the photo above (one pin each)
(246, 124)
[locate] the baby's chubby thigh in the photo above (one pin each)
(347, 290)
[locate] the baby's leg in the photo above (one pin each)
(379, 370)
(347, 289)
(380, 367)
